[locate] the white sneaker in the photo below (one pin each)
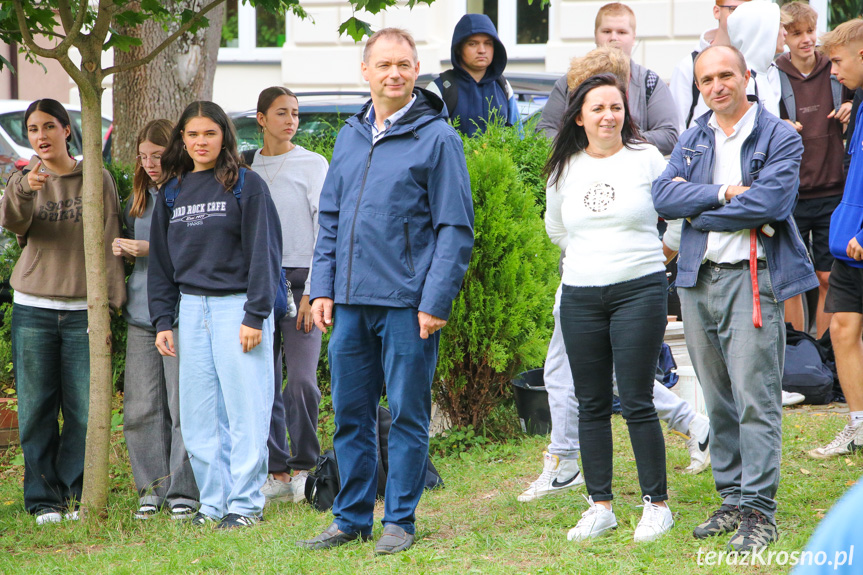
(594, 522)
(276, 490)
(71, 515)
(697, 444)
(558, 475)
(47, 516)
(298, 487)
(655, 521)
(792, 398)
(849, 440)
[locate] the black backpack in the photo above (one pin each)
(806, 368)
(171, 190)
(323, 482)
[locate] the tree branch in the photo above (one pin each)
(59, 49)
(65, 11)
(105, 14)
(158, 49)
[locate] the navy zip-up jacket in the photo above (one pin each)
(770, 165)
(210, 245)
(396, 216)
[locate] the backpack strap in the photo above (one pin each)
(248, 156)
(446, 83)
(238, 185)
(788, 101)
(170, 191)
(650, 84)
(695, 93)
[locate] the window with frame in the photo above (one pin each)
(251, 33)
(521, 25)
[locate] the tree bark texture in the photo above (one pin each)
(180, 75)
(95, 489)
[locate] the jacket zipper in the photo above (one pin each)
(408, 249)
(354, 224)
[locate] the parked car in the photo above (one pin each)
(321, 114)
(15, 150)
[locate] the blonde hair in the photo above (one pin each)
(614, 9)
(605, 60)
(846, 33)
(397, 33)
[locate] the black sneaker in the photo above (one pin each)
(724, 520)
(232, 520)
(200, 519)
(755, 532)
(146, 511)
(182, 511)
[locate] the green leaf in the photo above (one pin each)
(18, 460)
(355, 28)
(121, 42)
(131, 18)
(4, 63)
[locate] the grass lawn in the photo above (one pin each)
(474, 525)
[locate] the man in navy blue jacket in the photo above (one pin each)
(734, 177)
(396, 234)
(475, 89)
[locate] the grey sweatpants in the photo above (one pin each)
(675, 412)
(151, 423)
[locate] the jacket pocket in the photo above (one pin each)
(33, 264)
(408, 256)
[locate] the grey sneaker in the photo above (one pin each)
(726, 519)
(276, 490)
(849, 440)
(393, 540)
(755, 532)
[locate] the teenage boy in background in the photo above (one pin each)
(815, 103)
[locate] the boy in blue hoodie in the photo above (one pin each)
(475, 89)
(844, 46)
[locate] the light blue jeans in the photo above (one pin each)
(226, 397)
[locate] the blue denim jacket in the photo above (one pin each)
(770, 164)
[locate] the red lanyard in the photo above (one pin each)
(753, 273)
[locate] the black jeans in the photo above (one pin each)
(617, 327)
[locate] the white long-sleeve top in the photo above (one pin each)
(600, 212)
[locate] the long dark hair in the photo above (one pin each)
(157, 132)
(176, 161)
(52, 108)
(572, 139)
(270, 95)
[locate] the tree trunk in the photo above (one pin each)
(180, 75)
(95, 491)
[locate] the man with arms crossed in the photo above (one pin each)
(395, 239)
(734, 177)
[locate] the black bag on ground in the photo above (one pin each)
(806, 370)
(323, 482)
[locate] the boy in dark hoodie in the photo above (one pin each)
(844, 46)
(817, 106)
(474, 88)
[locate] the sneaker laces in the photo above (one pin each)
(846, 435)
(652, 511)
(593, 509)
(547, 473)
(750, 521)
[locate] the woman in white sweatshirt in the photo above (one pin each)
(613, 303)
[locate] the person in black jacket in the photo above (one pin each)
(222, 251)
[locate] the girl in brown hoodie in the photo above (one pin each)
(50, 345)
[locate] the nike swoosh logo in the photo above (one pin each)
(555, 483)
(703, 446)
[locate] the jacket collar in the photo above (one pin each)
(427, 107)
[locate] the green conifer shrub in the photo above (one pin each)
(501, 320)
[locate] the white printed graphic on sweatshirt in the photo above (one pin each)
(195, 214)
(599, 197)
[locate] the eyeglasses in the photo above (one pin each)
(729, 8)
(155, 158)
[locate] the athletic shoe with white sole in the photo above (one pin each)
(181, 512)
(655, 521)
(558, 475)
(596, 521)
(46, 516)
(849, 440)
(146, 511)
(698, 444)
(277, 490)
(792, 398)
